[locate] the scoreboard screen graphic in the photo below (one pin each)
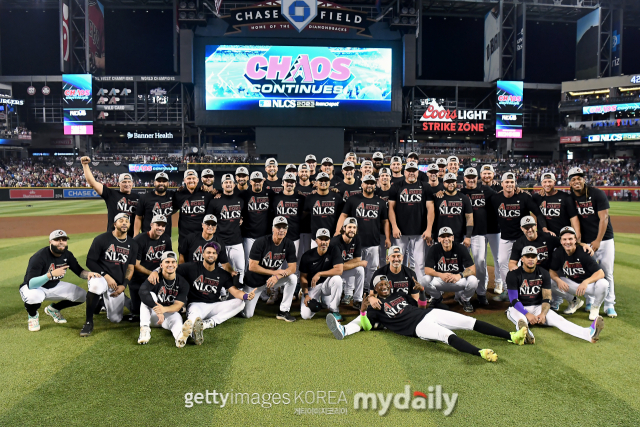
(251, 77)
(78, 111)
(509, 109)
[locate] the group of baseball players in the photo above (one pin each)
(386, 241)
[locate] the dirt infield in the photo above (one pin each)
(625, 224)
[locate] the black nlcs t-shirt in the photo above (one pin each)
(228, 211)
(384, 195)
(348, 190)
(269, 256)
(370, 214)
(150, 204)
(192, 248)
(529, 285)
(324, 211)
(204, 285)
(291, 208)
(399, 313)
(557, 210)
(108, 255)
(510, 210)
(479, 198)
(312, 262)
(167, 291)
(577, 267)
(450, 212)
(305, 191)
(396, 179)
(588, 208)
(403, 281)
(546, 244)
(193, 208)
(149, 253)
(255, 217)
(43, 262)
(455, 261)
(411, 206)
(119, 202)
(275, 187)
(348, 251)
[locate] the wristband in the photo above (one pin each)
(245, 296)
(126, 282)
(469, 231)
(546, 301)
(363, 313)
(422, 303)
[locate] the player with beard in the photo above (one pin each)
(401, 278)
(529, 288)
(400, 314)
(161, 303)
(433, 181)
(193, 245)
(593, 214)
(493, 228)
(117, 201)
(43, 281)
(453, 209)
(323, 207)
(289, 205)
(378, 163)
(113, 255)
(349, 185)
(414, 157)
(228, 210)
(207, 179)
(266, 260)
(151, 245)
(396, 170)
(382, 190)
(242, 179)
(272, 183)
(160, 202)
(480, 202)
(557, 206)
(348, 243)
(311, 163)
(192, 203)
(442, 167)
(255, 216)
(304, 187)
(581, 274)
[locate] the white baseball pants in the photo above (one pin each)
(289, 284)
(149, 318)
(383, 251)
(235, 254)
(605, 256)
(595, 291)
(478, 251)
(354, 283)
(494, 244)
(63, 291)
(552, 319)
(503, 259)
(247, 243)
(464, 288)
(329, 291)
(414, 246)
(370, 254)
(114, 306)
(218, 311)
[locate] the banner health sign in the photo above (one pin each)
(509, 108)
(76, 98)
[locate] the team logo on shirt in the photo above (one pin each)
(411, 195)
(116, 254)
(154, 254)
(585, 208)
(348, 255)
(543, 252)
(206, 285)
(572, 269)
(164, 208)
(231, 212)
(53, 267)
(348, 194)
(550, 209)
(395, 307)
(400, 286)
(477, 200)
(197, 254)
(273, 261)
(193, 207)
(367, 211)
(506, 210)
(126, 205)
(531, 287)
(324, 207)
(167, 295)
(448, 265)
(258, 204)
(287, 208)
(451, 207)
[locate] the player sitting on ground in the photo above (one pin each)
(400, 314)
(529, 289)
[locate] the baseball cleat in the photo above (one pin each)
(338, 316)
(555, 305)
(34, 323)
(596, 327)
(587, 307)
(346, 300)
(284, 315)
(488, 355)
(210, 323)
(145, 335)
(611, 312)
(482, 300)
(504, 296)
(520, 336)
(594, 313)
(198, 329)
(529, 338)
(437, 303)
(272, 297)
(357, 305)
(55, 314)
(497, 288)
(187, 328)
(467, 306)
(86, 329)
(335, 327)
(574, 306)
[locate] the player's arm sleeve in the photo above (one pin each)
(210, 208)
(182, 269)
(428, 194)
(145, 294)
(336, 256)
(512, 292)
(346, 209)
(107, 193)
(590, 264)
(571, 207)
(140, 207)
(183, 292)
(303, 267)
(134, 250)
(291, 252)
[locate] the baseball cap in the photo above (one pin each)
(327, 161)
(508, 175)
(191, 172)
(350, 154)
(433, 168)
(527, 220)
(159, 218)
(210, 218)
(367, 162)
(280, 220)
(450, 177)
(348, 165)
(120, 215)
(314, 305)
(289, 177)
(384, 171)
(322, 175)
(310, 157)
(413, 154)
(566, 230)
(291, 167)
(168, 254)
(257, 176)
(303, 166)
(396, 159)
(228, 176)
(124, 177)
(470, 172)
(323, 232)
(575, 172)
(162, 175)
(368, 178)
(487, 168)
(379, 278)
(207, 172)
(242, 171)
(548, 175)
(56, 234)
(453, 159)
(441, 162)
(350, 220)
(378, 155)
(411, 166)
(271, 161)
(529, 250)
(395, 250)
(445, 230)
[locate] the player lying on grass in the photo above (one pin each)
(529, 289)
(400, 314)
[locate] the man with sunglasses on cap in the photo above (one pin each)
(396, 170)
(557, 207)
(151, 245)
(311, 162)
(162, 302)
(353, 276)
(453, 209)
(320, 271)
(349, 185)
(43, 281)
(383, 190)
(529, 288)
(192, 204)
(576, 273)
(242, 178)
(493, 228)
(255, 216)
(272, 183)
(595, 225)
(157, 203)
(192, 249)
(378, 163)
(228, 210)
(113, 255)
(323, 207)
(118, 201)
(404, 315)
(268, 254)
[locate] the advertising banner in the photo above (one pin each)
(31, 194)
(509, 109)
(602, 109)
(438, 119)
(136, 167)
(569, 139)
(65, 37)
(613, 137)
(79, 194)
(76, 98)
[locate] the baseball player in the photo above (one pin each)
(453, 209)
(529, 288)
(159, 202)
(304, 186)
(255, 216)
(378, 162)
(326, 165)
(448, 268)
(311, 162)
(366, 168)
(289, 205)
(268, 254)
(323, 207)
(408, 203)
(348, 243)
(192, 203)
(401, 315)
(242, 179)
(493, 229)
(320, 280)
(401, 278)
(161, 303)
(192, 248)
(396, 170)
(291, 168)
(349, 185)
(453, 167)
(557, 206)
(207, 178)
(581, 274)
(435, 183)
(414, 157)
(442, 166)
(151, 246)
(382, 190)
(113, 255)
(42, 281)
(117, 201)
(272, 183)
(595, 224)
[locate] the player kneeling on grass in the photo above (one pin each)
(162, 302)
(401, 314)
(529, 290)
(43, 281)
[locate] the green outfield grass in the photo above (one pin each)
(624, 209)
(55, 377)
(52, 207)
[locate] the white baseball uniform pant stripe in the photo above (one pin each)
(494, 244)
(329, 291)
(605, 256)
(464, 288)
(478, 251)
(596, 291)
(247, 243)
(371, 254)
(438, 325)
(63, 291)
(503, 258)
(235, 254)
(414, 246)
(354, 283)
(552, 319)
(218, 311)
(289, 284)
(383, 251)
(114, 306)
(172, 321)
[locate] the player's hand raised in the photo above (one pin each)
(60, 271)
(85, 160)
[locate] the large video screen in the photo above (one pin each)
(252, 77)
(509, 109)
(78, 111)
